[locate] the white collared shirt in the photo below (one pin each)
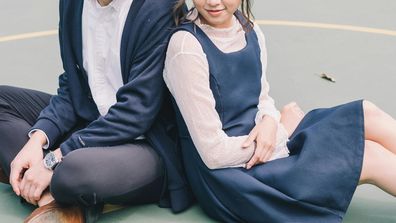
(102, 29)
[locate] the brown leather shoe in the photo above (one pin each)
(54, 213)
(3, 177)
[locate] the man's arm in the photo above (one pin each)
(56, 119)
(138, 101)
(59, 116)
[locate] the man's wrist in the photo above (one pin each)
(58, 154)
(52, 159)
(39, 137)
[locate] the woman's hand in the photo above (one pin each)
(264, 134)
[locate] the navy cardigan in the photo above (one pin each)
(139, 100)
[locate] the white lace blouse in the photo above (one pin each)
(186, 74)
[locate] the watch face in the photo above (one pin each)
(50, 160)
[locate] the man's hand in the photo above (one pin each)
(264, 134)
(35, 180)
(29, 155)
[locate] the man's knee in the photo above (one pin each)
(71, 184)
(7, 91)
(4, 92)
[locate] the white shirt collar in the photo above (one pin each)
(115, 4)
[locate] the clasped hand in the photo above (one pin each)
(264, 135)
(28, 177)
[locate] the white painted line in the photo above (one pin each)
(327, 26)
(28, 35)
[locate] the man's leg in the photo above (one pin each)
(19, 109)
(90, 177)
(126, 174)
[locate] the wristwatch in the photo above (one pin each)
(50, 161)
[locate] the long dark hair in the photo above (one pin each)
(180, 12)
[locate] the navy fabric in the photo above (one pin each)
(139, 100)
(143, 47)
(239, 77)
(314, 184)
(85, 176)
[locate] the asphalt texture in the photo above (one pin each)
(353, 42)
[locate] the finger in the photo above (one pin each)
(25, 186)
(252, 136)
(252, 161)
(257, 154)
(28, 197)
(22, 185)
(31, 194)
(25, 192)
(15, 177)
(268, 154)
(38, 193)
(263, 155)
(260, 150)
(262, 145)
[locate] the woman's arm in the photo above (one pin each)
(187, 77)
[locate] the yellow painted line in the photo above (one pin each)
(260, 22)
(28, 35)
(327, 26)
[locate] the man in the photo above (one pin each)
(100, 136)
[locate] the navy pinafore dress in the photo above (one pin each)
(314, 184)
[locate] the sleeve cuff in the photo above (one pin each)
(282, 136)
(34, 130)
(260, 114)
(66, 147)
(49, 128)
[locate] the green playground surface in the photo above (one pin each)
(352, 41)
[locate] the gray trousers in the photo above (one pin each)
(125, 174)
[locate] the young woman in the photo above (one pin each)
(247, 162)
